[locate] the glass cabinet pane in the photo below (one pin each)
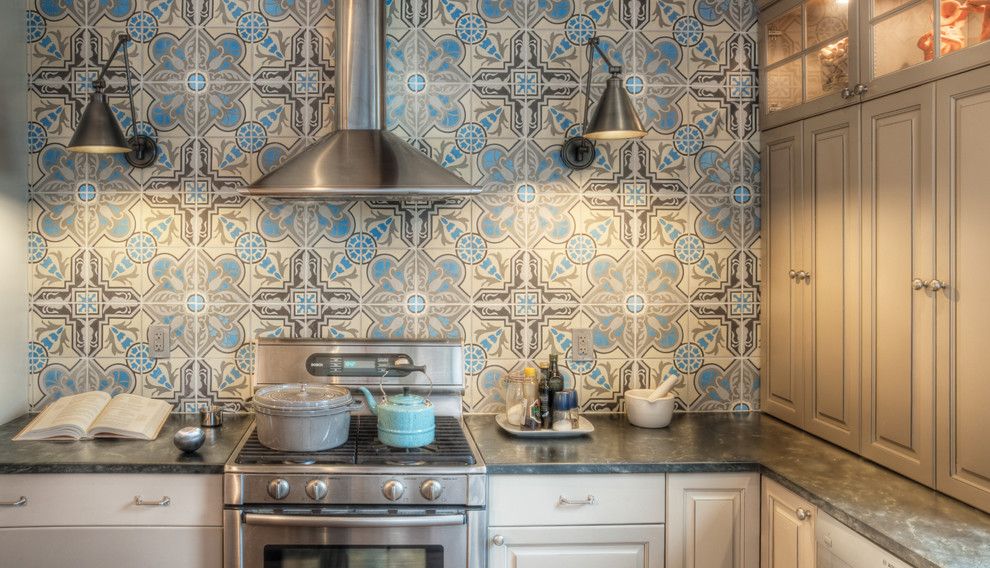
(881, 7)
(903, 39)
(826, 19)
(827, 69)
(967, 22)
(784, 86)
(784, 36)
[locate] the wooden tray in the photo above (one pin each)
(584, 427)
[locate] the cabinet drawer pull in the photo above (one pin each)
(163, 502)
(589, 500)
(19, 503)
(803, 514)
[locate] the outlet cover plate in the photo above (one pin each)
(159, 341)
(582, 345)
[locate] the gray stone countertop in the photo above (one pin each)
(921, 526)
(123, 456)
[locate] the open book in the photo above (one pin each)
(96, 414)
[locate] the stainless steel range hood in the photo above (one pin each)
(360, 160)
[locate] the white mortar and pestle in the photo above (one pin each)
(652, 408)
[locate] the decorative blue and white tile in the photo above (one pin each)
(50, 337)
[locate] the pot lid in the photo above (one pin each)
(406, 399)
(302, 396)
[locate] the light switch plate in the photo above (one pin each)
(159, 337)
(582, 345)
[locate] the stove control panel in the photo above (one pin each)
(359, 365)
(344, 489)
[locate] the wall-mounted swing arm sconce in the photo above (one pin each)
(100, 133)
(614, 118)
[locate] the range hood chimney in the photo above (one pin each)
(360, 160)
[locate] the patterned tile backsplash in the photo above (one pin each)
(655, 248)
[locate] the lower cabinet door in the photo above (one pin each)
(108, 547)
(614, 546)
(713, 520)
(788, 529)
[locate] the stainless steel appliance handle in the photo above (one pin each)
(356, 522)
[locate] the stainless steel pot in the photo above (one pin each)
(298, 417)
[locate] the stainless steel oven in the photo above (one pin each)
(354, 538)
(361, 504)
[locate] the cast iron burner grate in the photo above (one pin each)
(363, 447)
(450, 446)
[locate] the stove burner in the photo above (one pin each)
(299, 461)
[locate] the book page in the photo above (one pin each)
(70, 416)
(132, 416)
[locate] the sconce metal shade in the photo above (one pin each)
(615, 116)
(98, 131)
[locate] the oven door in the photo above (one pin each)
(324, 539)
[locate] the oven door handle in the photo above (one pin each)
(354, 522)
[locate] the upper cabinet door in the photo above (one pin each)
(807, 59)
(784, 229)
(832, 276)
(898, 260)
(910, 42)
(963, 462)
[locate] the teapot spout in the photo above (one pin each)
(370, 399)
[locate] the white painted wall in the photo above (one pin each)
(13, 212)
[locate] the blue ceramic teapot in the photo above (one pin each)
(404, 421)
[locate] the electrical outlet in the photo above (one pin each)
(582, 345)
(159, 337)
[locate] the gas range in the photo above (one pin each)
(363, 499)
(363, 471)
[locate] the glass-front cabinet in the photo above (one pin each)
(819, 55)
(808, 58)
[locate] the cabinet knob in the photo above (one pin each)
(498, 540)
(803, 514)
(801, 275)
(918, 284)
(792, 274)
(861, 89)
(935, 285)
(846, 93)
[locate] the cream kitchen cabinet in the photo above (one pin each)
(806, 53)
(959, 284)
(787, 535)
(819, 55)
(898, 378)
(576, 521)
(99, 520)
(713, 520)
(615, 546)
(812, 275)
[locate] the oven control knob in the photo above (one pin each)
(316, 489)
(431, 489)
(278, 488)
(393, 490)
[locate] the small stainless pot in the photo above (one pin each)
(211, 416)
(302, 418)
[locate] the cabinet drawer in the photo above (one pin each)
(529, 500)
(108, 499)
(83, 547)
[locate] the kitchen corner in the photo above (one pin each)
(919, 525)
